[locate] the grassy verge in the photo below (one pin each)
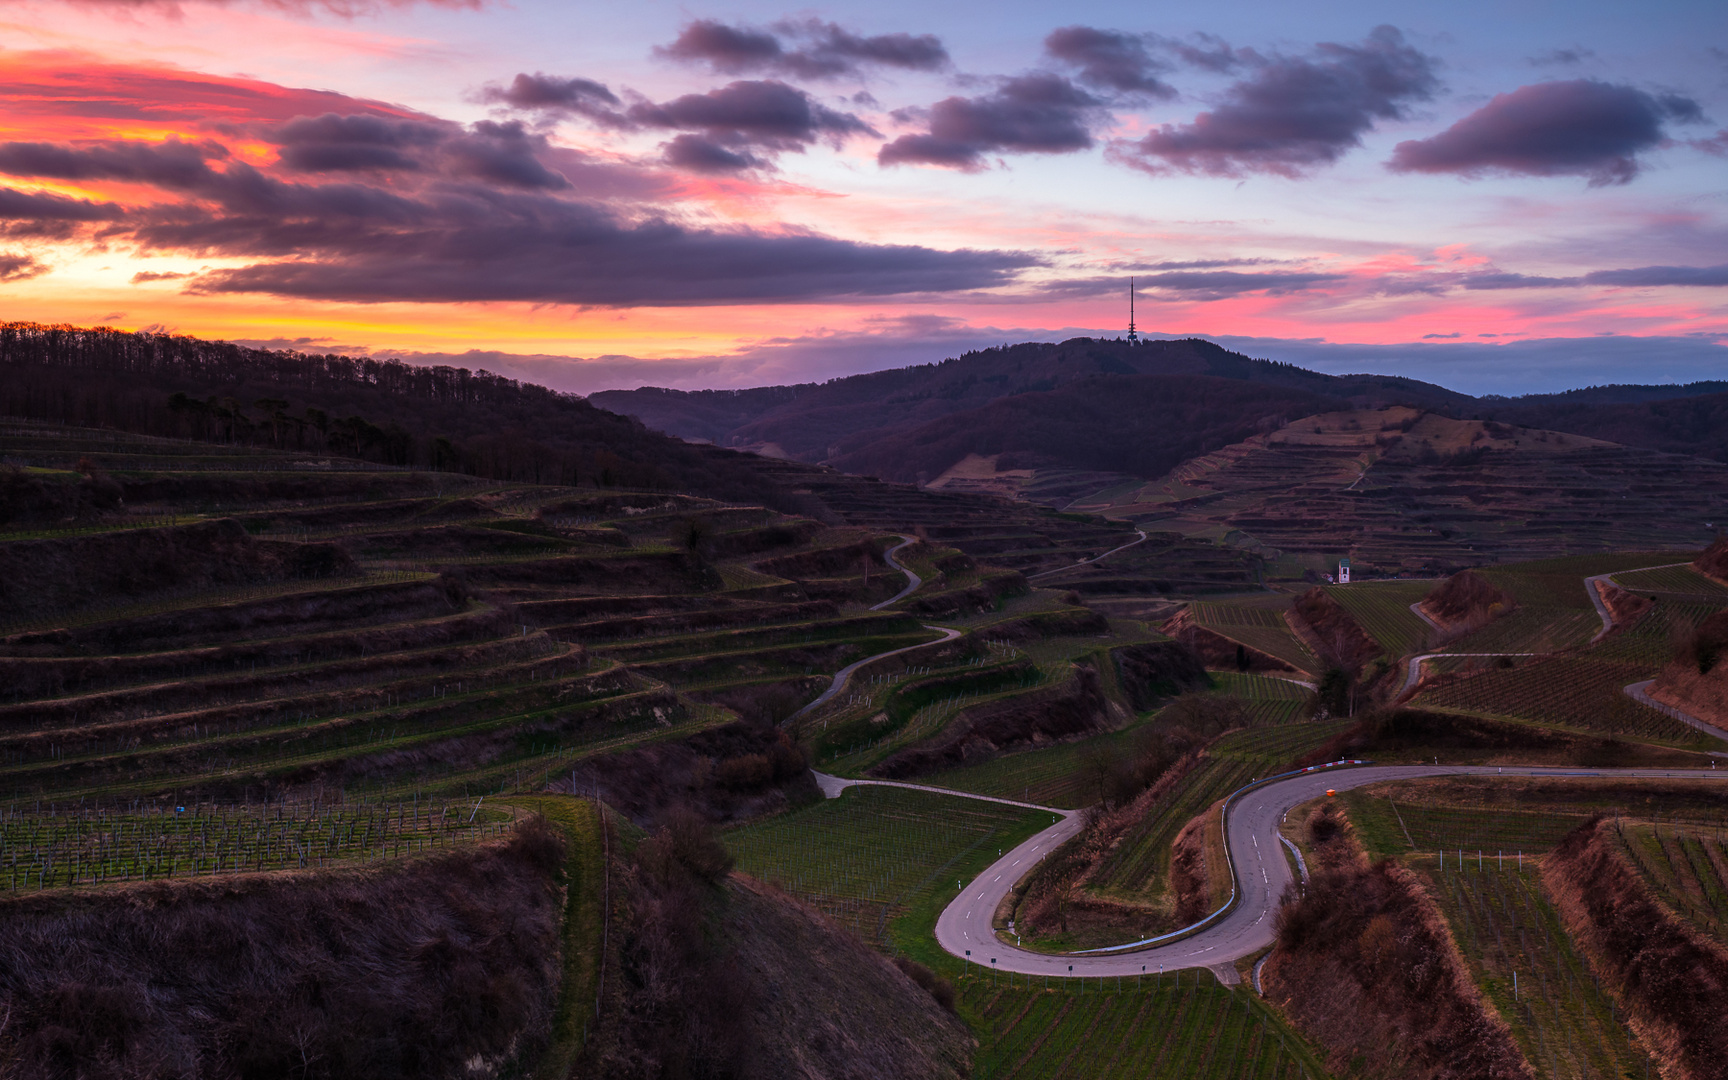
(584, 882)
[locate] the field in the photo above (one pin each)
(1388, 826)
(1258, 627)
(881, 861)
(1582, 694)
(94, 846)
(1564, 1022)
(1687, 867)
(1181, 1026)
(1678, 581)
(869, 856)
(1382, 608)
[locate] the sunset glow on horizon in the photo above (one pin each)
(690, 199)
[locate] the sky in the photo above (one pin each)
(1499, 198)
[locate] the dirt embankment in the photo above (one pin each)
(1063, 622)
(729, 773)
(1624, 608)
(825, 562)
(1157, 669)
(1191, 872)
(712, 974)
(308, 613)
(1672, 980)
(831, 1005)
(1696, 680)
(1366, 967)
(1075, 706)
(974, 599)
(47, 676)
(38, 577)
(1221, 653)
(1331, 632)
(1712, 562)
(1466, 601)
(440, 967)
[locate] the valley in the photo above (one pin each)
(1028, 771)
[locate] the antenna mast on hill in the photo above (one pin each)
(1133, 338)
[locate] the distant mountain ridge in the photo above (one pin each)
(1108, 406)
(842, 418)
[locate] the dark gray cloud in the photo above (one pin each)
(1293, 114)
(507, 154)
(556, 94)
(1578, 127)
(1661, 275)
(170, 164)
(365, 208)
(1490, 280)
(1038, 114)
(808, 49)
(1111, 60)
(145, 277)
(338, 143)
(17, 266)
(540, 248)
(694, 153)
(36, 207)
(763, 115)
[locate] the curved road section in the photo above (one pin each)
(844, 675)
(1262, 874)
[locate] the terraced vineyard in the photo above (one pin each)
(97, 846)
(1564, 1022)
(360, 630)
(1687, 867)
(1582, 694)
(1382, 608)
(1553, 610)
(1258, 627)
(1180, 1026)
(1420, 831)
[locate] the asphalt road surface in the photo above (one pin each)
(1262, 873)
(844, 675)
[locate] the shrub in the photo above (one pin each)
(935, 985)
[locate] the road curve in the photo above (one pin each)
(1262, 874)
(1596, 596)
(1640, 692)
(1140, 539)
(912, 580)
(844, 675)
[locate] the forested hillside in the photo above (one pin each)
(385, 411)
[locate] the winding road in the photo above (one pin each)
(844, 675)
(1262, 873)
